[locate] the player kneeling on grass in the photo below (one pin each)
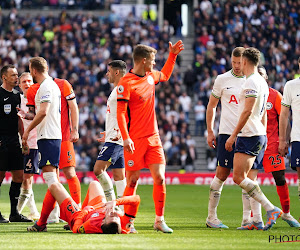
(97, 215)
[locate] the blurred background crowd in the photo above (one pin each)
(79, 46)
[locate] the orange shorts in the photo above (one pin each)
(97, 202)
(273, 163)
(67, 155)
(69, 210)
(148, 150)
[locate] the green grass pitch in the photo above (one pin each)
(186, 211)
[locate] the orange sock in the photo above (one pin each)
(75, 189)
(159, 197)
(48, 205)
(86, 200)
(129, 191)
(284, 197)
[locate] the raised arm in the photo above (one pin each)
(167, 69)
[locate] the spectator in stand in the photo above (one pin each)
(185, 102)
(200, 118)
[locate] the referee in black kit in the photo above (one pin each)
(11, 158)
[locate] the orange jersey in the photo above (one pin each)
(136, 101)
(273, 112)
(67, 93)
(31, 92)
(89, 220)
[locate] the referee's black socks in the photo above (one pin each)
(14, 193)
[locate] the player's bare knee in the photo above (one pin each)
(222, 173)
(98, 171)
(237, 179)
(69, 172)
(54, 187)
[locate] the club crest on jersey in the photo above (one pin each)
(7, 108)
(130, 163)
(150, 80)
(120, 89)
(269, 105)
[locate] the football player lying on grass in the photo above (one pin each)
(96, 215)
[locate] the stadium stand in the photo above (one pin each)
(78, 44)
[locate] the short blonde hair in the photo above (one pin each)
(142, 51)
(39, 64)
(24, 74)
(238, 51)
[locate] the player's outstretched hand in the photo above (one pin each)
(21, 113)
(129, 146)
(176, 48)
(101, 139)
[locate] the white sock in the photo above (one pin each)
(50, 178)
(31, 205)
(216, 187)
(23, 199)
(54, 215)
(159, 218)
(120, 186)
(256, 210)
(107, 186)
(246, 206)
(255, 192)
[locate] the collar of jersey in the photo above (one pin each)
(236, 75)
(130, 71)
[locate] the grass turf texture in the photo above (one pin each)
(186, 212)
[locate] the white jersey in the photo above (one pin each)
(111, 122)
(32, 138)
(254, 86)
(291, 99)
(227, 87)
(50, 127)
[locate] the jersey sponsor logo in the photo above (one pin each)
(250, 92)
(45, 97)
(150, 80)
(5, 99)
(130, 163)
(120, 89)
(233, 99)
(7, 108)
(269, 105)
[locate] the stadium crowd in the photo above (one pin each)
(78, 49)
(220, 26)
